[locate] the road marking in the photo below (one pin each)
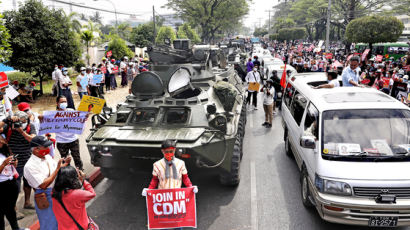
(254, 200)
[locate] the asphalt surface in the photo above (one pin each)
(268, 196)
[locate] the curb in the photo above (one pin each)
(95, 178)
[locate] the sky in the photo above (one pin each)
(143, 9)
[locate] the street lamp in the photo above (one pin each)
(115, 11)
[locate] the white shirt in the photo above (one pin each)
(57, 75)
(268, 99)
(64, 80)
(7, 173)
(335, 83)
(66, 137)
(252, 77)
(37, 170)
(90, 79)
(80, 88)
(123, 66)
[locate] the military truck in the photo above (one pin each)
(188, 95)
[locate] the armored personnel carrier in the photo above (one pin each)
(188, 95)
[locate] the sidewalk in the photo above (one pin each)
(48, 103)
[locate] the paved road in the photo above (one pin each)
(268, 196)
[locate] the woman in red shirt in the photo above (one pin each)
(68, 197)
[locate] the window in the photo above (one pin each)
(312, 121)
(176, 116)
(289, 91)
(141, 116)
(298, 106)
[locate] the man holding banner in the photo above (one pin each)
(168, 175)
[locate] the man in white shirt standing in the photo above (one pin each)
(251, 78)
(41, 171)
(82, 90)
(65, 83)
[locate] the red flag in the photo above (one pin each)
(3, 80)
(283, 79)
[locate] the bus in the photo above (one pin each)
(395, 50)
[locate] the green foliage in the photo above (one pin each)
(87, 36)
(374, 29)
(78, 64)
(185, 31)
(5, 50)
(211, 17)
(291, 34)
(163, 33)
(124, 31)
(21, 77)
(273, 37)
(142, 35)
(282, 23)
(119, 48)
(260, 32)
(40, 38)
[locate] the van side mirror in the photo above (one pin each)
(308, 142)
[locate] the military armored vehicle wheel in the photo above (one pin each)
(233, 178)
(114, 173)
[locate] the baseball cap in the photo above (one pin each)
(82, 68)
(40, 141)
(23, 106)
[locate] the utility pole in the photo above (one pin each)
(15, 5)
(153, 19)
(328, 25)
(269, 20)
(71, 6)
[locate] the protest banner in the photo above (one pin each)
(379, 58)
(11, 93)
(3, 80)
(115, 69)
(62, 121)
(96, 79)
(109, 53)
(84, 82)
(91, 104)
(171, 208)
(103, 69)
(329, 56)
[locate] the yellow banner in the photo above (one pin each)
(91, 104)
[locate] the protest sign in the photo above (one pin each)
(62, 121)
(109, 53)
(329, 56)
(91, 104)
(96, 79)
(365, 53)
(11, 93)
(84, 82)
(115, 69)
(379, 58)
(171, 208)
(3, 80)
(103, 69)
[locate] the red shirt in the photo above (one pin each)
(74, 201)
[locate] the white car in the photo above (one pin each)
(352, 146)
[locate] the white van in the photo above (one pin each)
(352, 146)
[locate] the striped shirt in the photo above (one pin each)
(168, 183)
(19, 145)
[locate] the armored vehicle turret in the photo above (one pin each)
(189, 95)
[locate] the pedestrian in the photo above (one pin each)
(24, 95)
(253, 79)
(131, 73)
(102, 83)
(82, 90)
(113, 81)
(268, 101)
(249, 65)
(169, 172)
(108, 70)
(256, 62)
(19, 132)
(332, 81)
(55, 77)
(68, 142)
(65, 83)
(8, 187)
(123, 71)
(32, 90)
(69, 199)
(92, 86)
(41, 171)
(5, 105)
(350, 75)
(33, 116)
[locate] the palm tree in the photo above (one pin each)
(87, 36)
(124, 30)
(96, 18)
(74, 23)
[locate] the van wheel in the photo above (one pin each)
(304, 187)
(288, 149)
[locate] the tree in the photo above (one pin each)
(185, 31)
(291, 34)
(142, 35)
(124, 31)
(5, 50)
(260, 32)
(75, 25)
(210, 16)
(40, 38)
(163, 33)
(96, 18)
(119, 48)
(87, 36)
(374, 29)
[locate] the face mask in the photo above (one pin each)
(254, 70)
(43, 152)
(55, 68)
(65, 72)
(63, 105)
(82, 72)
(24, 125)
(169, 156)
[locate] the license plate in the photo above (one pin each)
(383, 221)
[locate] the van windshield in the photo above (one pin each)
(371, 134)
